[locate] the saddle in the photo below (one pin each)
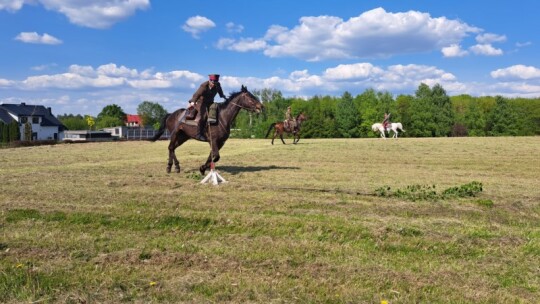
(190, 117)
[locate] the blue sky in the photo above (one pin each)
(77, 57)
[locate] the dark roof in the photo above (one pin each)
(30, 110)
(5, 117)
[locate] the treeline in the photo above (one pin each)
(430, 112)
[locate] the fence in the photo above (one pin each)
(143, 134)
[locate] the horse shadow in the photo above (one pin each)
(233, 170)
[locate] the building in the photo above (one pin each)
(87, 136)
(44, 125)
(133, 120)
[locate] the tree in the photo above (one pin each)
(112, 111)
(109, 122)
(90, 121)
(5, 134)
(347, 117)
(73, 122)
(14, 131)
(27, 131)
(150, 113)
(2, 126)
(442, 111)
(503, 119)
(474, 120)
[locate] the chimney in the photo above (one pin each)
(50, 110)
(23, 103)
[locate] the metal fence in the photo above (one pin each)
(143, 134)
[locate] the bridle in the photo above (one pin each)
(241, 106)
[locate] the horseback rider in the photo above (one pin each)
(202, 99)
(290, 122)
(386, 120)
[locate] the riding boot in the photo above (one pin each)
(200, 134)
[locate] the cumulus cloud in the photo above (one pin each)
(517, 72)
(83, 87)
(454, 50)
(374, 33)
(198, 24)
(485, 49)
(98, 14)
(33, 37)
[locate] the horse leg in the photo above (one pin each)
(274, 136)
(281, 136)
(215, 153)
(179, 139)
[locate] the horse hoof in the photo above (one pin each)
(202, 169)
(168, 169)
(177, 170)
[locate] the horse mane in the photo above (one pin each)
(232, 95)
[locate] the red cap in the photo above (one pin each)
(213, 77)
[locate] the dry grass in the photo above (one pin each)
(296, 223)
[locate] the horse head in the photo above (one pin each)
(301, 117)
(246, 100)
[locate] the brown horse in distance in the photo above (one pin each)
(279, 129)
(181, 131)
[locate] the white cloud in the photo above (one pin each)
(352, 71)
(198, 24)
(485, 49)
(523, 44)
(242, 45)
(374, 33)
(98, 14)
(453, 50)
(33, 37)
(517, 72)
(489, 38)
(11, 5)
(87, 89)
(234, 28)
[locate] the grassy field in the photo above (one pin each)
(324, 221)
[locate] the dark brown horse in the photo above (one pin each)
(217, 134)
(279, 129)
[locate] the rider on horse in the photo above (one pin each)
(290, 122)
(202, 99)
(386, 120)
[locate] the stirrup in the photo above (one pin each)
(201, 137)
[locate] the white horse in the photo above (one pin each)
(395, 126)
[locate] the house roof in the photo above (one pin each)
(29, 110)
(5, 117)
(133, 118)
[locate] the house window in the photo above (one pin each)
(24, 120)
(35, 120)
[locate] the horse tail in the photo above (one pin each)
(162, 127)
(269, 129)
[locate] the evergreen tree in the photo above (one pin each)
(2, 126)
(442, 111)
(503, 119)
(347, 117)
(27, 131)
(14, 131)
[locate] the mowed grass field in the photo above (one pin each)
(305, 223)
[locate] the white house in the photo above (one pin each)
(44, 125)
